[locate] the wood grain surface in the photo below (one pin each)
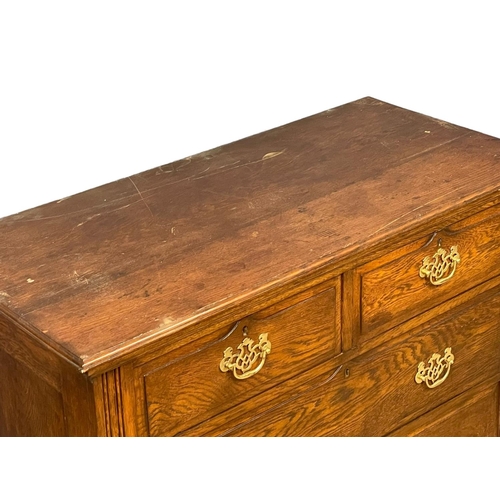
(34, 408)
(472, 414)
(104, 271)
(187, 386)
(392, 290)
(40, 393)
(375, 394)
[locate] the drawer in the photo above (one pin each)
(473, 414)
(377, 393)
(227, 367)
(421, 275)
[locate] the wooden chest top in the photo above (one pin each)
(101, 273)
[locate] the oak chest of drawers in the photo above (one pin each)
(337, 276)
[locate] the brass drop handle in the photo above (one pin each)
(441, 267)
(437, 369)
(249, 359)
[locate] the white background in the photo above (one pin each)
(93, 91)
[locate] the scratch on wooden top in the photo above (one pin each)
(140, 194)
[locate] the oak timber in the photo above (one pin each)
(102, 272)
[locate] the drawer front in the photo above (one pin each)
(260, 351)
(473, 414)
(378, 393)
(421, 275)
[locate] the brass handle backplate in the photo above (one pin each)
(441, 267)
(437, 369)
(249, 359)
